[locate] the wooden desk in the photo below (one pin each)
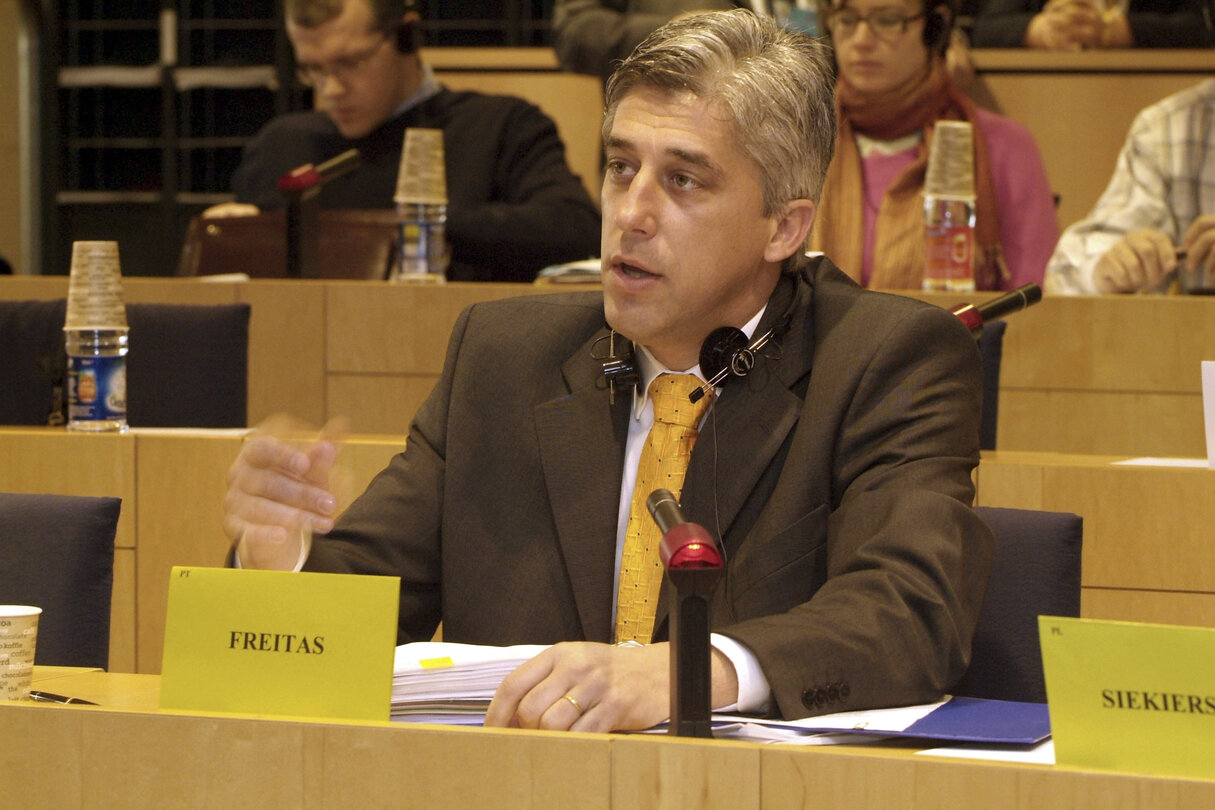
(1078, 371)
(1079, 106)
(132, 756)
(172, 485)
(1147, 551)
(1148, 554)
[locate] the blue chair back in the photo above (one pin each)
(57, 553)
(1035, 571)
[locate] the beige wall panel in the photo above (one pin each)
(361, 459)
(181, 490)
(1007, 484)
(51, 460)
(286, 349)
(1159, 607)
(111, 757)
(41, 758)
(377, 403)
(402, 328)
(1110, 343)
(1101, 423)
(1144, 527)
(41, 288)
(1057, 106)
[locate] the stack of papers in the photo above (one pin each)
(444, 682)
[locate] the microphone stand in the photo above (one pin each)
(300, 188)
(693, 566)
(691, 660)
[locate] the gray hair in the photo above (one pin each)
(776, 84)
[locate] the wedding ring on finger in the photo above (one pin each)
(574, 703)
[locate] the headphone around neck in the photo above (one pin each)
(726, 351)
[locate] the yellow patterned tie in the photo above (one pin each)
(664, 462)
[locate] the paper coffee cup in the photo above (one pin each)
(95, 288)
(18, 638)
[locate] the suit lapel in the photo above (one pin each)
(582, 452)
(748, 425)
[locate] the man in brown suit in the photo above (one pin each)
(835, 476)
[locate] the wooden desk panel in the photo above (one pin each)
(1147, 550)
(1147, 555)
(54, 462)
(1081, 374)
(172, 485)
(1079, 120)
(74, 756)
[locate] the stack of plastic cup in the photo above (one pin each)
(421, 199)
(96, 336)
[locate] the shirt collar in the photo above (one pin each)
(429, 86)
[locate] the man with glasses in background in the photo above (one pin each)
(514, 206)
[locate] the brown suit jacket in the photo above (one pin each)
(836, 475)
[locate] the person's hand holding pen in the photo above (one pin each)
(1139, 260)
(1196, 255)
(1066, 25)
(280, 491)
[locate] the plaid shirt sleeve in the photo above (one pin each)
(1164, 179)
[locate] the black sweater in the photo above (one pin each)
(514, 206)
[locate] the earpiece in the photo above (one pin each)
(938, 27)
(617, 368)
(406, 38)
(402, 25)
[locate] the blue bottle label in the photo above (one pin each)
(97, 388)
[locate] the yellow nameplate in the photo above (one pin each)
(280, 643)
(1130, 696)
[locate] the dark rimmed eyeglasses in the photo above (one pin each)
(885, 23)
(341, 69)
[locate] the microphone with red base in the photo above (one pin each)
(300, 188)
(975, 315)
(694, 565)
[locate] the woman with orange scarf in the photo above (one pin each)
(891, 88)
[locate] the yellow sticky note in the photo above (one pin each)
(280, 643)
(436, 663)
(1130, 696)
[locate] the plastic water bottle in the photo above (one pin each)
(97, 378)
(422, 252)
(949, 209)
(95, 336)
(949, 243)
